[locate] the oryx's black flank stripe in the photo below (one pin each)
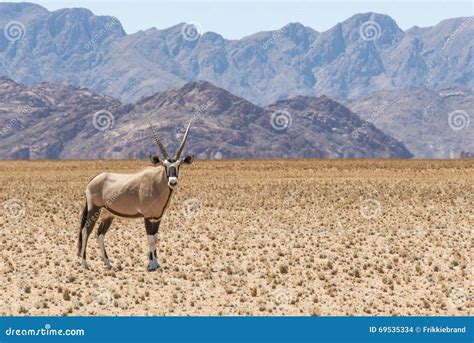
(138, 215)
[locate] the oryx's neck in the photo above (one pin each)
(161, 192)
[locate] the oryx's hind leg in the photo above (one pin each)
(93, 213)
(103, 227)
(152, 227)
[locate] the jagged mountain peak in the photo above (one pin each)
(365, 53)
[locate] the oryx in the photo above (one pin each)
(144, 194)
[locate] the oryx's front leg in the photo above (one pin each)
(151, 226)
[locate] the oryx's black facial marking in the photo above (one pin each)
(172, 172)
(172, 169)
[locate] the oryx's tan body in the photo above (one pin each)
(142, 194)
(146, 194)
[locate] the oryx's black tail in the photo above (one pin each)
(83, 223)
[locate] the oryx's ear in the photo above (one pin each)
(188, 159)
(154, 159)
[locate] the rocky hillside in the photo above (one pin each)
(41, 121)
(430, 124)
(59, 121)
(334, 129)
(363, 54)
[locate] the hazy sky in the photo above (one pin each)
(235, 19)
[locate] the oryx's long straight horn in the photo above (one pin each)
(181, 147)
(162, 148)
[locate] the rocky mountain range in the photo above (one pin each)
(50, 121)
(431, 124)
(357, 57)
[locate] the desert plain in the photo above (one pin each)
(295, 237)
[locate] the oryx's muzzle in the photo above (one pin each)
(172, 182)
(172, 171)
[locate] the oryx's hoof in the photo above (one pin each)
(85, 266)
(107, 264)
(152, 269)
(153, 266)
